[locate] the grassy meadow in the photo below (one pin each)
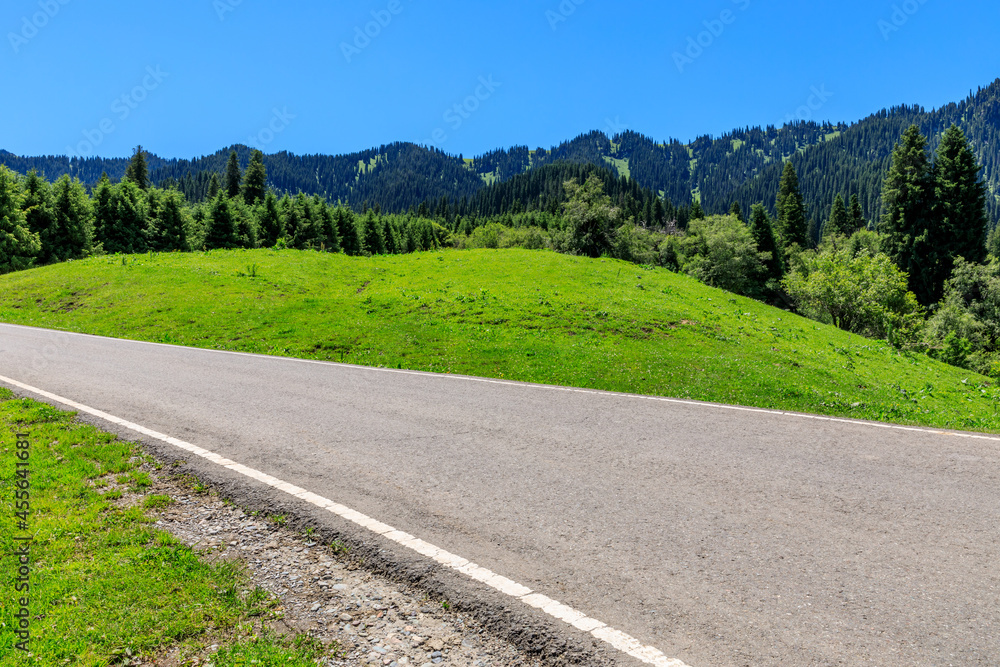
(535, 316)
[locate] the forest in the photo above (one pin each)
(744, 165)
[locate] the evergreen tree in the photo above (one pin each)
(269, 221)
(36, 203)
(658, 212)
(246, 227)
(221, 232)
(104, 214)
(736, 211)
(959, 200)
(347, 226)
(169, 227)
(696, 211)
(72, 235)
(255, 179)
(302, 225)
(214, 186)
(18, 245)
(907, 197)
(327, 225)
(126, 232)
(137, 170)
(763, 235)
(374, 241)
(839, 222)
(233, 176)
(857, 215)
(792, 226)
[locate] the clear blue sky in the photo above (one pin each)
(558, 69)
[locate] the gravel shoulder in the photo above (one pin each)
(324, 591)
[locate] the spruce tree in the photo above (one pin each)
(213, 186)
(104, 218)
(791, 227)
(696, 211)
(36, 203)
(959, 200)
(347, 226)
(137, 170)
(857, 215)
(170, 231)
(374, 242)
(327, 225)
(221, 232)
(839, 222)
(72, 235)
(255, 179)
(907, 197)
(735, 210)
(763, 236)
(233, 176)
(18, 245)
(126, 231)
(303, 228)
(269, 221)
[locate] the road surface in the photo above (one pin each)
(718, 536)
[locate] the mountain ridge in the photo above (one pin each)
(743, 165)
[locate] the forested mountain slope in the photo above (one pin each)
(743, 165)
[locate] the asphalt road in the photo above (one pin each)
(721, 537)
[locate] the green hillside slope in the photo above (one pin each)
(522, 315)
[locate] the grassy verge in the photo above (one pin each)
(108, 588)
(523, 315)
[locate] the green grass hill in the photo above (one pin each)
(535, 316)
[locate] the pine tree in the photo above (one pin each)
(658, 213)
(137, 170)
(255, 179)
(907, 196)
(696, 211)
(18, 245)
(763, 236)
(214, 187)
(959, 200)
(269, 221)
(326, 227)
(72, 235)
(839, 222)
(857, 215)
(374, 241)
(347, 226)
(104, 215)
(221, 232)
(36, 203)
(126, 231)
(233, 176)
(304, 227)
(791, 225)
(169, 231)
(737, 211)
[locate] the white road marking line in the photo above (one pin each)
(572, 617)
(530, 385)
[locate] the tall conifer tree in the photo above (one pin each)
(857, 215)
(960, 198)
(137, 170)
(255, 179)
(234, 178)
(839, 222)
(763, 236)
(791, 226)
(18, 245)
(907, 197)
